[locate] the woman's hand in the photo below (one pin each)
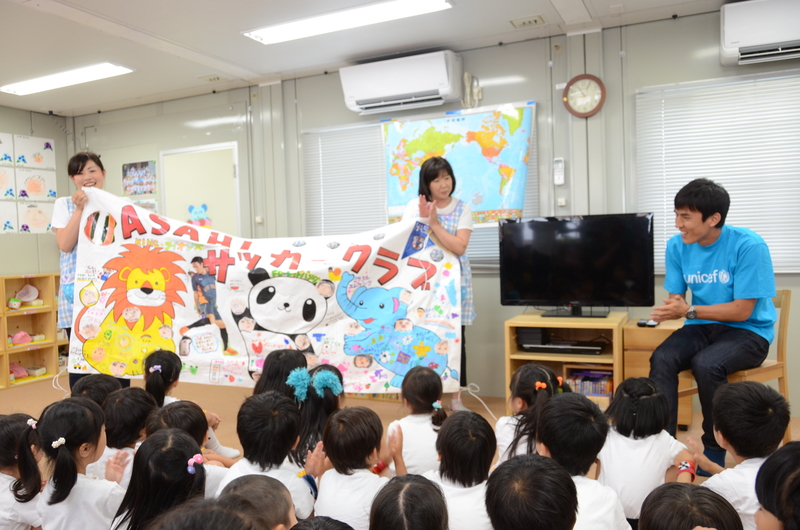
(79, 199)
(428, 212)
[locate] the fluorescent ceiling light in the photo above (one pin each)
(350, 18)
(71, 77)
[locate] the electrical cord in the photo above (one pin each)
(472, 388)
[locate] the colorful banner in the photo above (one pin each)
(374, 304)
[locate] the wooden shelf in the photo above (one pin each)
(33, 320)
(564, 357)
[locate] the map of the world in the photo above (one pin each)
(487, 150)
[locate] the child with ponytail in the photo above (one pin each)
(531, 386)
(162, 369)
(167, 471)
(422, 396)
(320, 392)
(72, 436)
(639, 451)
(15, 515)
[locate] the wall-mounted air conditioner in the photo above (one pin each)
(757, 31)
(406, 83)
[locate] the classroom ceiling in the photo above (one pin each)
(181, 48)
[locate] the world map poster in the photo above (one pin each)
(488, 151)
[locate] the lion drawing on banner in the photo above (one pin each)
(145, 286)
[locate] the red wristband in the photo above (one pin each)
(377, 468)
(687, 467)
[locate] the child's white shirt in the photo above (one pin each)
(15, 515)
(348, 498)
(634, 468)
(301, 492)
(214, 477)
(98, 469)
(598, 507)
(419, 442)
(504, 432)
(738, 486)
(169, 399)
(92, 503)
(466, 507)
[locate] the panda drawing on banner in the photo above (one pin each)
(279, 313)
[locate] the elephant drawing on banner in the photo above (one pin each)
(388, 336)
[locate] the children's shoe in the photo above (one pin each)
(718, 457)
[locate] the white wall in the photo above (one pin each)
(599, 152)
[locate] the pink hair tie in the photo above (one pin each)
(196, 459)
(31, 423)
(155, 368)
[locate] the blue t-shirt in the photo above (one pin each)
(735, 266)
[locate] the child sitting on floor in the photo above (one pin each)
(681, 506)
(778, 490)
(410, 501)
(572, 431)
(750, 420)
(268, 497)
(95, 387)
(14, 515)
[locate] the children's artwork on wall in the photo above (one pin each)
(8, 217)
(36, 184)
(151, 205)
(6, 149)
(8, 187)
(223, 303)
(34, 152)
(34, 217)
(139, 178)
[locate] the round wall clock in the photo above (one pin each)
(584, 95)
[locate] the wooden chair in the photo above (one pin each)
(769, 369)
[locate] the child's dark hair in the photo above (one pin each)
(638, 408)
(682, 506)
(13, 427)
(350, 437)
(184, 415)
(410, 501)
(264, 491)
(778, 485)
(95, 387)
(321, 522)
(751, 416)
(534, 384)
(78, 162)
(126, 411)
(430, 171)
(62, 428)
(322, 388)
(531, 491)
(277, 367)
(706, 197)
(161, 369)
(211, 514)
(161, 478)
(466, 446)
(422, 389)
(574, 431)
(267, 425)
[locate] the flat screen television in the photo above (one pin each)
(578, 263)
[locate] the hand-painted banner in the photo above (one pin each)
(374, 304)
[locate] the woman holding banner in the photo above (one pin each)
(450, 220)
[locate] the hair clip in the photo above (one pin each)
(437, 405)
(299, 379)
(540, 385)
(155, 368)
(560, 380)
(196, 459)
(326, 379)
(58, 443)
(31, 423)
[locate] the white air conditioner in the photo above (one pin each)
(757, 31)
(407, 83)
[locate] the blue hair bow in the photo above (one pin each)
(299, 379)
(326, 379)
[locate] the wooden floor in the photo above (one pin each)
(225, 401)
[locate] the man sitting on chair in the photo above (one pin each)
(730, 322)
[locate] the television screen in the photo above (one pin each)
(590, 260)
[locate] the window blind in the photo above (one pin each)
(344, 173)
(744, 135)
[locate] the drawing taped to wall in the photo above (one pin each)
(34, 217)
(34, 152)
(8, 217)
(8, 187)
(6, 149)
(36, 184)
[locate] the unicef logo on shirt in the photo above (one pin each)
(724, 276)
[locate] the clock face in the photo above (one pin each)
(584, 95)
